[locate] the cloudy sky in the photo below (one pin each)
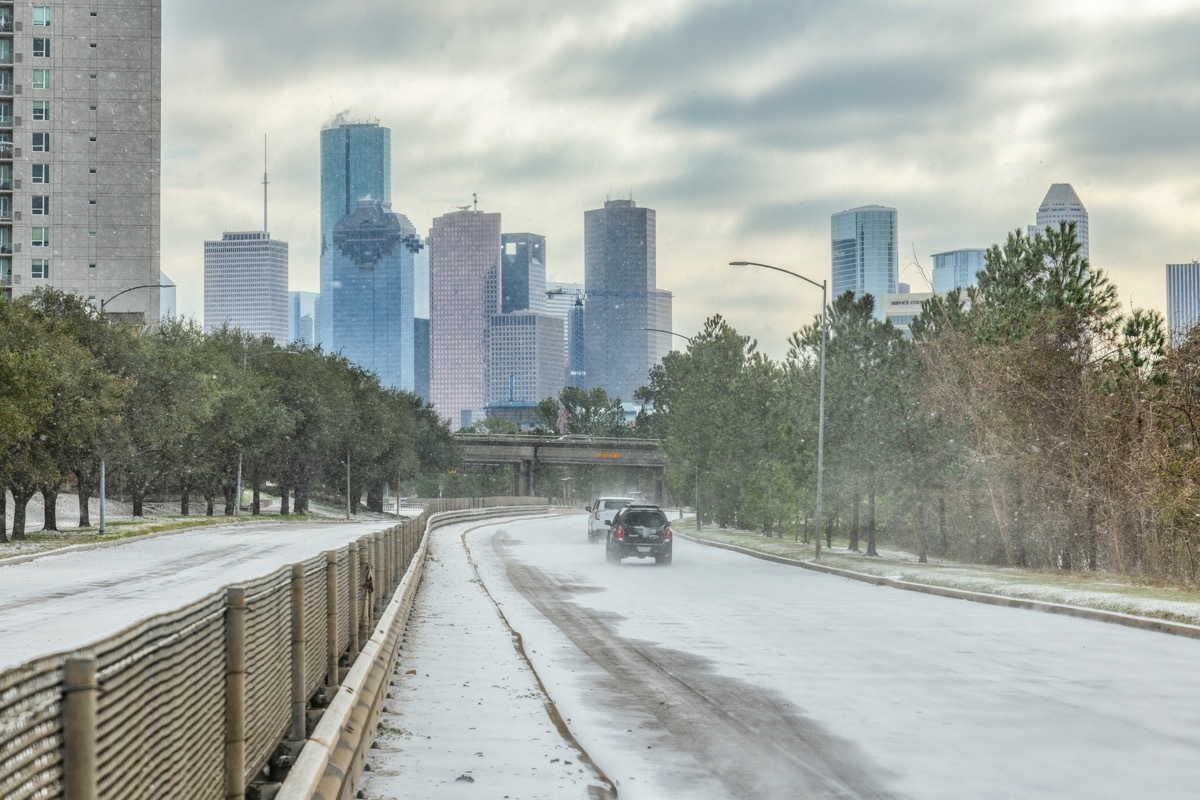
(744, 123)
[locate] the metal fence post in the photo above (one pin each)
(366, 590)
(355, 603)
(299, 701)
(332, 675)
(235, 693)
(80, 691)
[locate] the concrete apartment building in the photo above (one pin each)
(80, 127)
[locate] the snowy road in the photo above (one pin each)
(724, 676)
(61, 601)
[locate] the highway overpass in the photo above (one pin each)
(530, 453)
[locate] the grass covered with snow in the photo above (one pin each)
(1102, 591)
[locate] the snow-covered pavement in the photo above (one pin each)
(466, 716)
(726, 677)
(64, 600)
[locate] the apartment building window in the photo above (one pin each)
(41, 16)
(41, 109)
(40, 173)
(40, 206)
(41, 48)
(41, 142)
(41, 79)
(40, 236)
(39, 268)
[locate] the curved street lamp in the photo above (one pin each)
(103, 303)
(823, 286)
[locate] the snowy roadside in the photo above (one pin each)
(459, 653)
(120, 524)
(1101, 592)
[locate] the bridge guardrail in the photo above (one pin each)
(204, 701)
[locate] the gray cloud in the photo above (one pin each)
(745, 123)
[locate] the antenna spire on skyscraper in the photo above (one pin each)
(265, 182)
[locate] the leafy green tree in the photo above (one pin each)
(89, 419)
(587, 411)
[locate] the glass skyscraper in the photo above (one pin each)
(522, 272)
(1183, 300)
(621, 299)
(372, 303)
(356, 164)
(864, 247)
(956, 269)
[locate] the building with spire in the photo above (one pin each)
(1062, 204)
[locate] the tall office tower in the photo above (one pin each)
(522, 272)
(1183, 300)
(565, 301)
(464, 271)
(79, 152)
(302, 318)
(245, 284)
(956, 269)
(421, 322)
(1063, 205)
(622, 302)
(525, 362)
(356, 164)
(371, 296)
(864, 245)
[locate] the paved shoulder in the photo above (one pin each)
(465, 708)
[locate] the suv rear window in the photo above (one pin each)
(608, 504)
(646, 519)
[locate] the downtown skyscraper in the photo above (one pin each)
(372, 302)
(864, 247)
(1183, 300)
(356, 164)
(80, 111)
(464, 275)
(246, 284)
(622, 302)
(1062, 204)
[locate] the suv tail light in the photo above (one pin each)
(620, 533)
(597, 513)
(667, 534)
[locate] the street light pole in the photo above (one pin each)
(103, 303)
(101, 495)
(699, 525)
(824, 287)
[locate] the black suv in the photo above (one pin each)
(639, 530)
